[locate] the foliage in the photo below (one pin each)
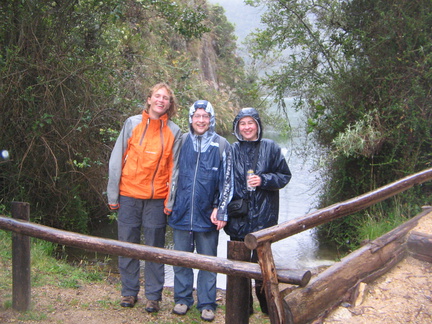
(360, 139)
(71, 72)
(362, 71)
(366, 226)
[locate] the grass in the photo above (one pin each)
(379, 223)
(45, 269)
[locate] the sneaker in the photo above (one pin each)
(180, 309)
(128, 301)
(152, 306)
(207, 315)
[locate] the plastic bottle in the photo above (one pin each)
(248, 175)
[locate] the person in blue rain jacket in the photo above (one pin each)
(200, 192)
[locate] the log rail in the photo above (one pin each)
(149, 253)
(325, 215)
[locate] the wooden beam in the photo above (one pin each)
(238, 289)
(321, 216)
(145, 252)
(278, 309)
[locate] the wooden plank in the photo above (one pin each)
(21, 286)
(321, 216)
(145, 252)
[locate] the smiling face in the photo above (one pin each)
(158, 103)
(200, 121)
(248, 128)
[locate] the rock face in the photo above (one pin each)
(208, 64)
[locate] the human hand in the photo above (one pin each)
(220, 225)
(213, 217)
(254, 180)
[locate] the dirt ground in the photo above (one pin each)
(403, 295)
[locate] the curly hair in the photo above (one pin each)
(172, 110)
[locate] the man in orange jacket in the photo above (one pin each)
(140, 170)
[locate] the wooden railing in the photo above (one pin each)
(262, 240)
(279, 311)
(23, 229)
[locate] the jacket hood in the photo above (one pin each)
(207, 106)
(247, 112)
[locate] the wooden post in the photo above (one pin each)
(238, 289)
(21, 288)
(278, 309)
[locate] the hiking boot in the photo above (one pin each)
(152, 306)
(207, 315)
(180, 309)
(128, 301)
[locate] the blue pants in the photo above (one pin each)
(133, 215)
(206, 243)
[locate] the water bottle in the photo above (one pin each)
(248, 175)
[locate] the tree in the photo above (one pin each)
(71, 71)
(361, 69)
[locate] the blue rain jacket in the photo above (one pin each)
(202, 180)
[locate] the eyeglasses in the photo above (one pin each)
(197, 117)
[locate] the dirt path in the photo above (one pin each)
(403, 295)
(99, 304)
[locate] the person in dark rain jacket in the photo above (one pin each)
(271, 173)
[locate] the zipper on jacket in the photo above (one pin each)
(160, 156)
(144, 132)
(194, 180)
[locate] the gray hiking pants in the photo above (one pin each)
(148, 215)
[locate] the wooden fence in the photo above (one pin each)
(22, 230)
(282, 307)
(280, 312)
